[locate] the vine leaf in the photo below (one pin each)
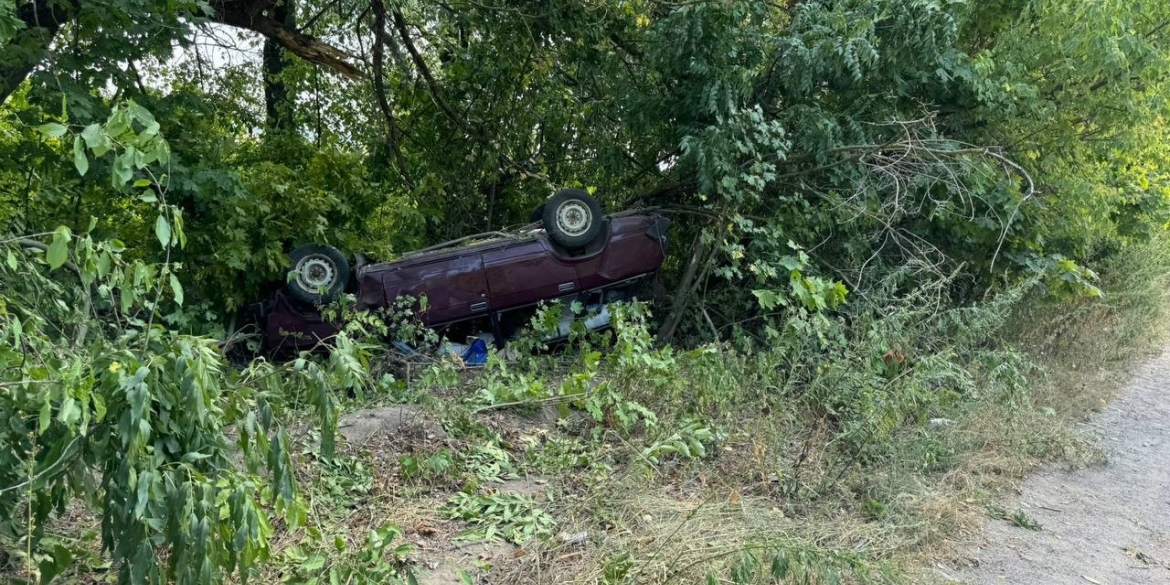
(59, 250)
(79, 159)
(52, 129)
(177, 289)
(162, 229)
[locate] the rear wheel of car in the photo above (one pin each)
(572, 218)
(320, 273)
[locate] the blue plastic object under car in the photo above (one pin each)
(476, 355)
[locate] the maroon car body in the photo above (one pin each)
(488, 279)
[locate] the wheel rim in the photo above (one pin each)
(574, 218)
(315, 272)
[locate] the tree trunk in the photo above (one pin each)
(30, 46)
(277, 98)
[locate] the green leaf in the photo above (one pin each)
(123, 170)
(59, 250)
(162, 152)
(69, 412)
(11, 260)
(52, 129)
(99, 407)
(141, 114)
(118, 123)
(79, 159)
(44, 417)
(313, 564)
(194, 456)
(102, 147)
(180, 233)
(93, 137)
(142, 494)
(103, 264)
(162, 229)
(53, 565)
(177, 289)
(769, 299)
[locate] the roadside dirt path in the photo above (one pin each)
(1106, 525)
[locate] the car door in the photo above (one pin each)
(631, 249)
(527, 273)
(456, 288)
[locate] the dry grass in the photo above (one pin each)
(653, 536)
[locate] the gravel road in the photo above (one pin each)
(1105, 525)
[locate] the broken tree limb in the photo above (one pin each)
(253, 17)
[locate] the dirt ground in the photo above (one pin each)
(391, 431)
(1104, 525)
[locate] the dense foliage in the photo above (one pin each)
(825, 162)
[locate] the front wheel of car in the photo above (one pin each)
(319, 274)
(572, 218)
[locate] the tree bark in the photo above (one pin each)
(277, 100)
(377, 65)
(394, 136)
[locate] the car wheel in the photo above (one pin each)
(572, 218)
(319, 274)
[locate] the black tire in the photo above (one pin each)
(573, 218)
(320, 273)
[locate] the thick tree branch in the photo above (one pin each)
(251, 16)
(30, 46)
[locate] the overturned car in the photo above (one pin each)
(573, 253)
